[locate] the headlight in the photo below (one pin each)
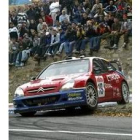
(69, 85)
(19, 92)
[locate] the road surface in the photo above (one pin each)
(63, 125)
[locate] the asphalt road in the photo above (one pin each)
(63, 125)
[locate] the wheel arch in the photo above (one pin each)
(92, 81)
(125, 82)
(123, 101)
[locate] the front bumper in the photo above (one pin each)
(62, 99)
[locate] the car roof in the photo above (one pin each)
(79, 58)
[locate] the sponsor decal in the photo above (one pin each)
(108, 86)
(41, 101)
(113, 76)
(74, 96)
(116, 92)
(100, 86)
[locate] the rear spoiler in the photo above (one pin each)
(119, 65)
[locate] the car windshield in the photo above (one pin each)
(66, 68)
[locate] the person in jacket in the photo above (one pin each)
(13, 51)
(62, 41)
(126, 29)
(63, 16)
(55, 42)
(96, 6)
(80, 34)
(32, 26)
(115, 33)
(111, 8)
(71, 36)
(89, 34)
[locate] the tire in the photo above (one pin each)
(124, 93)
(91, 97)
(28, 114)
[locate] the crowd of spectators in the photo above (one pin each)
(47, 28)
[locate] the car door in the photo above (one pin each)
(115, 79)
(104, 86)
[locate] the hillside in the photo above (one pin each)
(18, 76)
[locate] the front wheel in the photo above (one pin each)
(125, 93)
(91, 97)
(28, 114)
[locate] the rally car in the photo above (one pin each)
(75, 82)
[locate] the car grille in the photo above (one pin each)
(42, 89)
(41, 100)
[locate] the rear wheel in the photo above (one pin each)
(28, 114)
(91, 97)
(125, 93)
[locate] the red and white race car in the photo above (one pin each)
(83, 82)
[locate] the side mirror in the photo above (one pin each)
(32, 78)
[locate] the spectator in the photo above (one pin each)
(45, 26)
(23, 29)
(99, 15)
(13, 51)
(87, 4)
(80, 36)
(85, 18)
(43, 43)
(95, 7)
(41, 49)
(70, 40)
(31, 13)
(121, 7)
(58, 14)
(36, 42)
(26, 41)
(22, 57)
(62, 41)
(111, 8)
(110, 20)
(68, 4)
(43, 16)
(63, 17)
(40, 26)
(57, 24)
(55, 42)
(104, 3)
(89, 34)
(13, 31)
(115, 33)
(46, 8)
(65, 24)
(21, 18)
(106, 22)
(54, 8)
(77, 14)
(37, 11)
(13, 18)
(126, 28)
(32, 26)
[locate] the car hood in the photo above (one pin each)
(56, 81)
